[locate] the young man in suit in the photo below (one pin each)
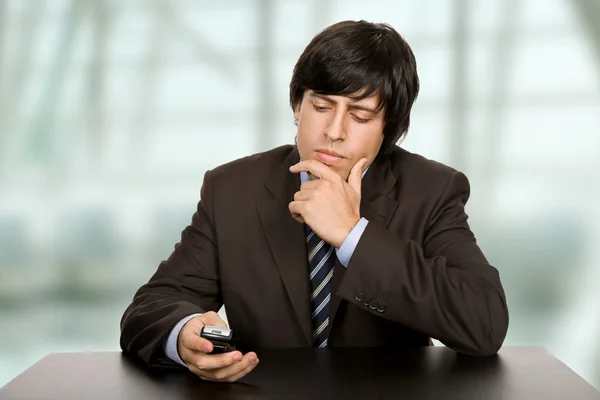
(344, 239)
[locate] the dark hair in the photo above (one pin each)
(358, 59)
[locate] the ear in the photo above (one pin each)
(297, 111)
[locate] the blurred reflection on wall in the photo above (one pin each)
(111, 111)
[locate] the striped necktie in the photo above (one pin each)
(321, 259)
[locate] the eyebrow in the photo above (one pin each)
(351, 105)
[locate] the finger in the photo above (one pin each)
(207, 362)
(296, 209)
(244, 372)
(192, 341)
(303, 195)
(211, 318)
(311, 185)
(204, 375)
(355, 177)
(228, 372)
(316, 168)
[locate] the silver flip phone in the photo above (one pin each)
(221, 338)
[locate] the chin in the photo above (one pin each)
(342, 173)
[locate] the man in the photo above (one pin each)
(344, 239)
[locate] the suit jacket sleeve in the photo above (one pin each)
(186, 283)
(445, 288)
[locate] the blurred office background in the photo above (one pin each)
(111, 111)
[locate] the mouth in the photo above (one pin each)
(329, 157)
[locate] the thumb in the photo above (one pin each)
(355, 177)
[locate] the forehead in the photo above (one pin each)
(373, 99)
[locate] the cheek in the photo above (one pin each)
(368, 143)
(308, 130)
(306, 139)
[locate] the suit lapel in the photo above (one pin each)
(286, 237)
(287, 240)
(375, 206)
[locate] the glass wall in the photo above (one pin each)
(111, 112)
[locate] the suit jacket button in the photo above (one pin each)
(359, 296)
(373, 305)
(381, 307)
(367, 300)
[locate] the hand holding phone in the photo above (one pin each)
(207, 347)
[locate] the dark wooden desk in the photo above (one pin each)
(430, 373)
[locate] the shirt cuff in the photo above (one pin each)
(170, 347)
(344, 253)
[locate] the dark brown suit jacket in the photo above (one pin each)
(416, 273)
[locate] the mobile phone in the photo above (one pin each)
(221, 338)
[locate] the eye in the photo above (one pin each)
(320, 108)
(361, 120)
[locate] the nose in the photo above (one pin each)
(336, 129)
